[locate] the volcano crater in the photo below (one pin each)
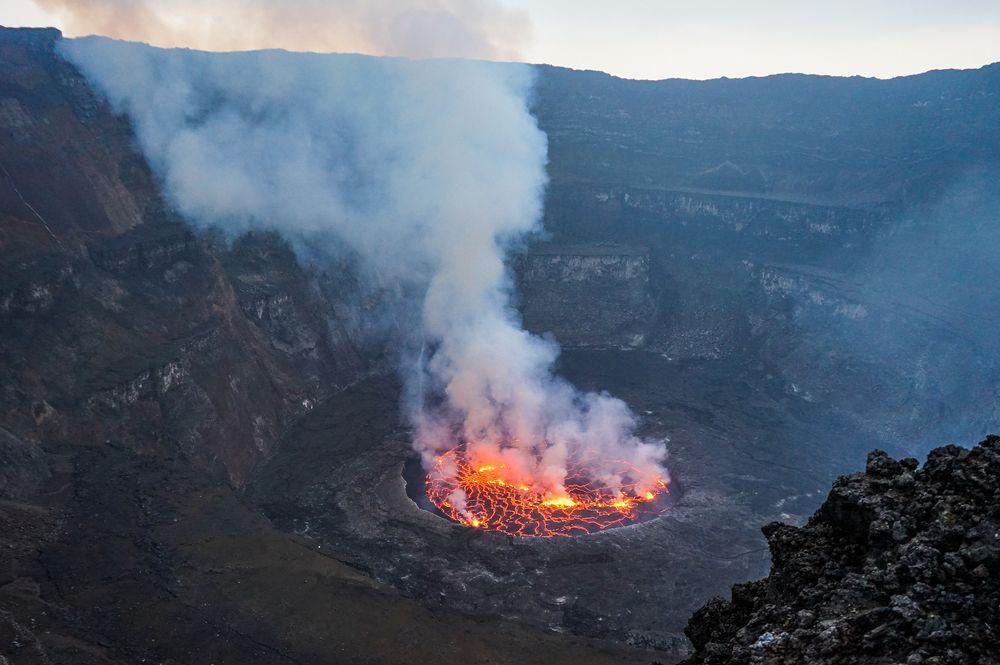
(346, 480)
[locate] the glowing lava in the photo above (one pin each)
(483, 496)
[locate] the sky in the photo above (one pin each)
(711, 38)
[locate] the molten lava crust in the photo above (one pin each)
(482, 496)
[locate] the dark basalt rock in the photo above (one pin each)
(560, 284)
(898, 566)
(22, 467)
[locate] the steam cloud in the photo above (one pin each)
(411, 28)
(428, 171)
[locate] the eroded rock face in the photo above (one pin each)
(900, 565)
(119, 324)
(587, 296)
(22, 467)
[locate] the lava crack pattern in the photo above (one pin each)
(480, 496)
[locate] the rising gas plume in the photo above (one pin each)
(410, 28)
(428, 171)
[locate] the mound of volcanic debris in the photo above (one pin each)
(899, 565)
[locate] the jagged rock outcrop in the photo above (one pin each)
(900, 565)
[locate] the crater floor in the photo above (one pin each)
(339, 480)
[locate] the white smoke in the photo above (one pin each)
(411, 28)
(428, 171)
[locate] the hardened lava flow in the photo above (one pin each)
(484, 496)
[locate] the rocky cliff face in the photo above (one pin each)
(587, 296)
(790, 137)
(121, 325)
(901, 564)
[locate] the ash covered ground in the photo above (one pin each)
(201, 457)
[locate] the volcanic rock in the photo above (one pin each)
(898, 566)
(559, 285)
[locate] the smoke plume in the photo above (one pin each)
(428, 171)
(410, 28)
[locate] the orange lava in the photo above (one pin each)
(492, 501)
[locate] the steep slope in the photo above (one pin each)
(899, 565)
(828, 229)
(118, 323)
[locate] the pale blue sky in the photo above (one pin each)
(710, 38)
